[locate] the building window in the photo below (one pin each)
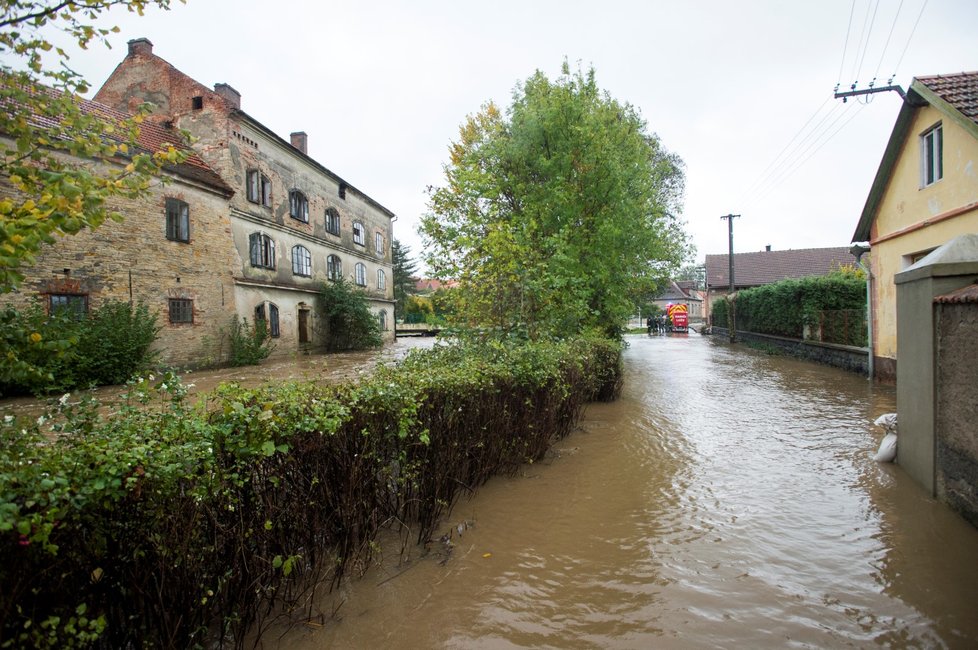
(343, 191)
(259, 188)
(358, 234)
(301, 261)
(381, 279)
(75, 306)
(273, 327)
(332, 221)
(177, 220)
(383, 320)
(361, 274)
(271, 324)
(197, 102)
(181, 310)
(298, 206)
(932, 156)
(379, 243)
(334, 267)
(262, 250)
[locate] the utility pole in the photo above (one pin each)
(730, 258)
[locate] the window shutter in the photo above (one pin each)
(254, 242)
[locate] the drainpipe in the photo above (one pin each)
(858, 251)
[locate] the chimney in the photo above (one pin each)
(230, 95)
(300, 141)
(768, 248)
(140, 47)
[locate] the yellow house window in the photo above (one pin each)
(932, 156)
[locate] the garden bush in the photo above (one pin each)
(106, 346)
(174, 525)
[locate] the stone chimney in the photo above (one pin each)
(300, 141)
(140, 47)
(768, 248)
(230, 95)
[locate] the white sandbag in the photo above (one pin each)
(888, 449)
(888, 421)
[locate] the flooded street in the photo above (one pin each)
(728, 499)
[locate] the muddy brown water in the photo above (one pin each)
(727, 500)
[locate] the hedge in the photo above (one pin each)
(174, 525)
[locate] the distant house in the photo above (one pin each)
(427, 286)
(767, 267)
(925, 193)
(681, 292)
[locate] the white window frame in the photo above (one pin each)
(932, 155)
(334, 267)
(177, 220)
(259, 188)
(261, 250)
(359, 234)
(299, 206)
(301, 261)
(360, 274)
(381, 279)
(379, 243)
(332, 221)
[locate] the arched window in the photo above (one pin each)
(359, 234)
(334, 267)
(383, 320)
(361, 274)
(259, 188)
(301, 261)
(381, 279)
(332, 221)
(262, 250)
(298, 206)
(271, 324)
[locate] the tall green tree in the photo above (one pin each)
(405, 270)
(43, 119)
(554, 217)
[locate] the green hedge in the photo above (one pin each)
(785, 308)
(186, 526)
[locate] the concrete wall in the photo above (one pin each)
(840, 356)
(913, 220)
(957, 407)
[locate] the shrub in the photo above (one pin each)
(350, 325)
(107, 346)
(176, 526)
(248, 344)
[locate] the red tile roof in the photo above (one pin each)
(765, 267)
(960, 90)
(968, 294)
(152, 138)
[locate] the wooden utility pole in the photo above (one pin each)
(733, 307)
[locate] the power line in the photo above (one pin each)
(845, 47)
(869, 32)
(910, 38)
(887, 44)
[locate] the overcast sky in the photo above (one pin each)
(741, 90)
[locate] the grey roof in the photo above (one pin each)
(765, 267)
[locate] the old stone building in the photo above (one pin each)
(293, 222)
(171, 252)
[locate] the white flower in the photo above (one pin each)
(41, 420)
(152, 377)
(163, 386)
(8, 419)
(64, 399)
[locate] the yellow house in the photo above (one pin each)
(925, 193)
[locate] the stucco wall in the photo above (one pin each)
(957, 408)
(906, 205)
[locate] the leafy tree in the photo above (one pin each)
(350, 325)
(405, 270)
(556, 216)
(48, 142)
